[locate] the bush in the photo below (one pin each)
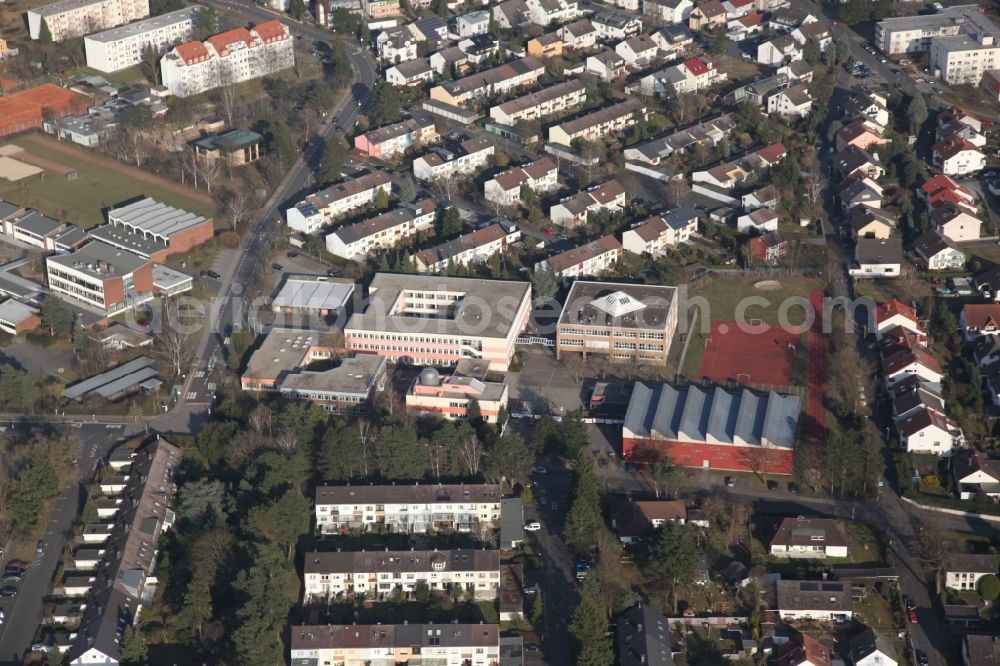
(989, 587)
(932, 480)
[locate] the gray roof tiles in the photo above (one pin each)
(151, 216)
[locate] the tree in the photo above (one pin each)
(296, 8)
(36, 484)
(150, 64)
(206, 24)
(989, 587)
(56, 316)
(386, 107)
(537, 610)
(932, 547)
(664, 473)
(260, 612)
(451, 222)
(240, 206)
(589, 628)
(44, 34)
(407, 189)
(342, 456)
(134, 650)
(584, 518)
(854, 11)
(282, 521)
(88, 514)
(54, 657)
(201, 501)
(400, 455)
(510, 458)
(673, 557)
(381, 200)
(280, 142)
(916, 113)
(334, 156)
(543, 436)
(174, 348)
(544, 285)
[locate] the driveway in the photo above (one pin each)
(544, 380)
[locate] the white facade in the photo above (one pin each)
(356, 241)
(322, 207)
(473, 23)
(505, 188)
(546, 102)
(73, 18)
(122, 47)
(385, 644)
(231, 57)
(432, 166)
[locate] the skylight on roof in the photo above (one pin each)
(617, 304)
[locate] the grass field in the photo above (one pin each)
(81, 201)
(724, 295)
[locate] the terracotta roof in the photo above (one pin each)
(953, 145)
(271, 30)
(907, 357)
(711, 9)
(773, 153)
(191, 52)
(750, 20)
(223, 41)
(978, 316)
(699, 66)
(892, 308)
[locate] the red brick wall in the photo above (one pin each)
(189, 238)
(143, 278)
(719, 456)
(114, 291)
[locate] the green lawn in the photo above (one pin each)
(81, 201)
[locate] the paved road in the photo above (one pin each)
(25, 611)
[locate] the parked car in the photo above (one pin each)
(793, 487)
(922, 659)
(334, 272)
(532, 526)
(291, 254)
(278, 267)
(540, 469)
(40, 647)
(8, 591)
(730, 482)
(211, 274)
(17, 564)
(772, 486)
(40, 547)
(909, 603)
(531, 647)
(11, 577)
(913, 617)
(529, 589)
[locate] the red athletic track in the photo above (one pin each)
(765, 356)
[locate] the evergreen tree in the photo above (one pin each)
(283, 521)
(543, 435)
(342, 457)
(407, 189)
(584, 519)
(386, 108)
(134, 650)
(54, 658)
(44, 34)
(537, 610)
(589, 628)
(88, 514)
(573, 435)
(673, 557)
(400, 456)
(296, 8)
(509, 458)
(544, 285)
(261, 614)
(36, 484)
(334, 156)
(916, 113)
(854, 11)
(381, 200)
(56, 317)
(451, 222)
(206, 24)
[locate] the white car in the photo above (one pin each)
(532, 526)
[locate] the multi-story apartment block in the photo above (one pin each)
(392, 140)
(452, 397)
(709, 133)
(127, 579)
(473, 247)
(230, 57)
(355, 241)
(465, 644)
(915, 34)
(74, 18)
(102, 276)
(383, 573)
(660, 232)
(497, 81)
(589, 260)
(599, 124)
(408, 509)
(573, 211)
(396, 45)
(545, 102)
(628, 323)
(122, 47)
(452, 161)
(436, 320)
(505, 188)
(965, 58)
(322, 207)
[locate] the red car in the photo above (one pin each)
(913, 617)
(17, 564)
(547, 232)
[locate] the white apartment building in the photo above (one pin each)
(73, 18)
(599, 124)
(379, 574)
(573, 211)
(392, 140)
(473, 247)
(545, 102)
(322, 207)
(451, 161)
(407, 508)
(383, 644)
(964, 58)
(916, 34)
(658, 233)
(590, 260)
(230, 57)
(505, 188)
(122, 47)
(437, 320)
(355, 241)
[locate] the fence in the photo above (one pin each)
(735, 386)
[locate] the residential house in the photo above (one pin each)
(473, 23)
(778, 51)
(551, 12)
(799, 71)
(453, 160)
(955, 222)
(579, 35)
(980, 649)
(573, 211)
(706, 16)
(763, 197)
(639, 51)
(392, 140)
(655, 234)
(496, 81)
(668, 11)
(473, 247)
(759, 220)
(980, 319)
(598, 124)
(868, 105)
(615, 25)
(396, 45)
(588, 260)
(555, 99)
(937, 253)
(673, 39)
(606, 65)
(860, 191)
(867, 222)
(644, 638)
(817, 32)
(975, 473)
(540, 176)
(706, 133)
(877, 257)
(820, 601)
(963, 571)
(769, 247)
(859, 134)
(928, 431)
(809, 537)
(918, 362)
(956, 156)
(802, 650)
(549, 45)
(737, 8)
(451, 61)
(941, 189)
(510, 14)
(471, 644)
(358, 240)
(864, 647)
(414, 72)
(744, 27)
(322, 207)
(637, 519)
(692, 75)
(790, 103)
(857, 162)
(730, 174)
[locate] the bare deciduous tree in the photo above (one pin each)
(470, 451)
(240, 206)
(287, 440)
(175, 347)
(209, 170)
(262, 420)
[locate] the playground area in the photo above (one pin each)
(757, 354)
